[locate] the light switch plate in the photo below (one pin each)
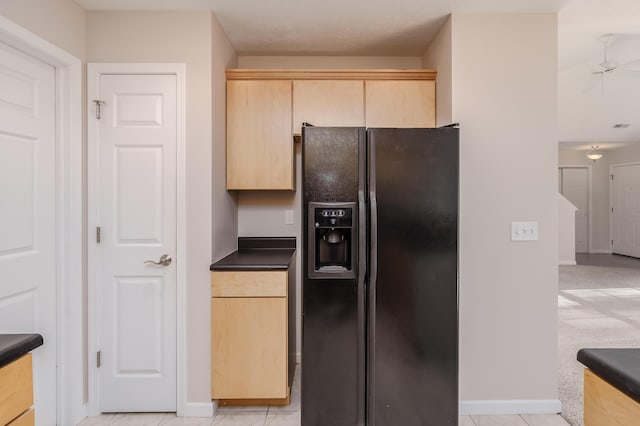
(524, 231)
(289, 218)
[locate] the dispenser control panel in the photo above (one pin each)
(333, 213)
(334, 218)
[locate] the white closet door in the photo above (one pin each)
(626, 210)
(137, 137)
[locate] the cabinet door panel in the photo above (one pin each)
(248, 348)
(259, 140)
(16, 388)
(328, 103)
(400, 103)
(26, 419)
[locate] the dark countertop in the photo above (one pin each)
(13, 346)
(258, 254)
(618, 367)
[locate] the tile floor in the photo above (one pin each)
(288, 416)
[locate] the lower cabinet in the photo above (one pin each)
(249, 336)
(25, 419)
(16, 393)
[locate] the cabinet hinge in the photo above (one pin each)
(99, 359)
(98, 234)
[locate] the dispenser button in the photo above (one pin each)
(333, 221)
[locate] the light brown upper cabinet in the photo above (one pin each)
(402, 103)
(265, 108)
(260, 151)
(328, 103)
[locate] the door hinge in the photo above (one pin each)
(98, 107)
(611, 177)
(611, 209)
(98, 234)
(99, 359)
(611, 242)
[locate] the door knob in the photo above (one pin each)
(165, 260)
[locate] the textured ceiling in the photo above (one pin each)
(331, 27)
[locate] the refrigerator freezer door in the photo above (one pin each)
(413, 294)
(333, 371)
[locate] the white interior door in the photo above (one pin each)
(575, 188)
(27, 214)
(625, 200)
(136, 212)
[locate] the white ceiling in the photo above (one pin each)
(589, 106)
(405, 27)
(331, 27)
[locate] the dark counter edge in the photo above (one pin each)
(606, 363)
(13, 346)
(258, 253)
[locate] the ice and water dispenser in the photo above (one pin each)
(332, 240)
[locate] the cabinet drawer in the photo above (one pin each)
(248, 284)
(26, 419)
(16, 389)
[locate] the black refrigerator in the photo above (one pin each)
(380, 276)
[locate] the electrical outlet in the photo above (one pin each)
(289, 218)
(524, 231)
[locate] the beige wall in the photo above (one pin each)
(505, 98)
(225, 210)
(438, 56)
(60, 22)
(600, 236)
(193, 38)
(330, 62)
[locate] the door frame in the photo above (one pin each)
(94, 71)
(611, 166)
(70, 407)
(589, 201)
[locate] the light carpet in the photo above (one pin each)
(598, 307)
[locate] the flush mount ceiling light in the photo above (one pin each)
(594, 154)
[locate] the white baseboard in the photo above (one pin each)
(81, 413)
(601, 251)
(567, 263)
(506, 407)
(198, 409)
